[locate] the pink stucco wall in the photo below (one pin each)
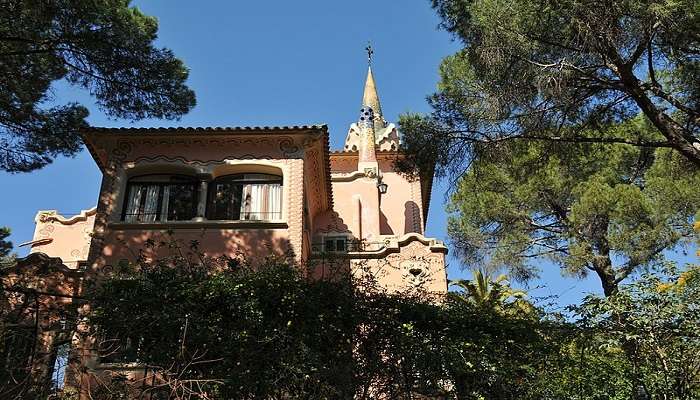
(400, 209)
(391, 224)
(65, 237)
(296, 157)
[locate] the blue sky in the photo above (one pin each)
(275, 63)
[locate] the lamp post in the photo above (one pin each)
(383, 187)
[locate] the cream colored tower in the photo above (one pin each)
(386, 136)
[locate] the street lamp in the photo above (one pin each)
(383, 187)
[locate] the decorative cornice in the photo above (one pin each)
(53, 216)
(92, 135)
(394, 245)
(348, 177)
(46, 263)
(381, 154)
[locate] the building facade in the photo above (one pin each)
(255, 191)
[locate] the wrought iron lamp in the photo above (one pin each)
(383, 187)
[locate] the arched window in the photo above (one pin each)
(245, 197)
(152, 198)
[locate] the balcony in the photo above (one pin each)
(344, 247)
(244, 220)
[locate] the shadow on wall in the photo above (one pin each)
(411, 217)
(384, 227)
(330, 222)
(254, 245)
(37, 316)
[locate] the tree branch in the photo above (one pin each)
(580, 139)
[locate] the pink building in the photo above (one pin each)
(237, 190)
(256, 190)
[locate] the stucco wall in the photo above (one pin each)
(415, 267)
(66, 238)
(400, 208)
(207, 158)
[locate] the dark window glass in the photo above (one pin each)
(335, 245)
(245, 197)
(160, 198)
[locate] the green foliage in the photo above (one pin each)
(588, 207)
(655, 321)
(556, 70)
(494, 294)
(271, 332)
(220, 328)
(104, 47)
(5, 245)
(254, 333)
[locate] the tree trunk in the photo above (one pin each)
(681, 141)
(603, 267)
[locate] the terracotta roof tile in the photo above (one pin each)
(206, 129)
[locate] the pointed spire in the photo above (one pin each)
(385, 134)
(370, 98)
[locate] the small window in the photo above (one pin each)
(256, 197)
(336, 244)
(58, 374)
(160, 198)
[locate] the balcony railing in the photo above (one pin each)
(152, 217)
(245, 216)
(351, 246)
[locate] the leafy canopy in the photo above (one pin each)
(5, 245)
(220, 328)
(104, 47)
(656, 320)
(561, 70)
(607, 209)
(235, 331)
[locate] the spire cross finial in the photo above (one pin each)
(370, 51)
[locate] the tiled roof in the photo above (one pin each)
(220, 130)
(207, 129)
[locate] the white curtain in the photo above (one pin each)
(132, 207)
(246, 203)
(142, 204)
(261, 201)
(165, 203)
(150, 209)
(274, 201)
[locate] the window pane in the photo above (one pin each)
(163, 198)
(150, 205)
(225, 201)
(179, 202)
(134, 203)
(142, 203)
(262, 202)
(255, 197)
